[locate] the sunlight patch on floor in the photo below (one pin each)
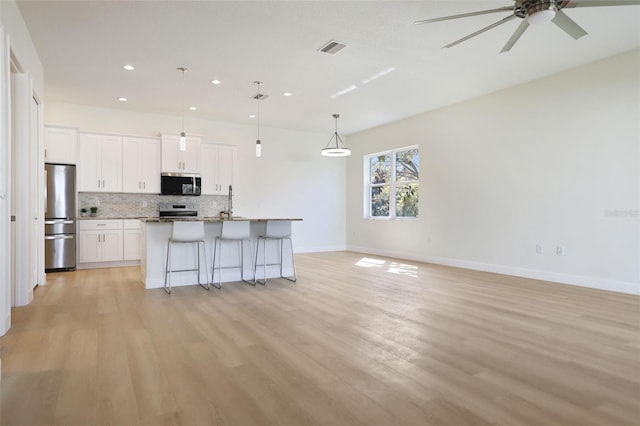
(394, 267)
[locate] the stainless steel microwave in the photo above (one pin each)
(180, 184)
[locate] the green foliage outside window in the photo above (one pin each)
(394, 174)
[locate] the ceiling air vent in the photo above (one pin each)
(332, 47)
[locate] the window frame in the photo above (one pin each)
(393, 184)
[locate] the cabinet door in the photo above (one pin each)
(90, 246)
(60, 145)
(226, 165)
(111, 245)
(209, 159)
(170, 158)
(174, 160)
(132, 239)
(89, 164)
(111, 154)
(191, 157)
(150, 175)
(131, 159)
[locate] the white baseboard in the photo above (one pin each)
(318, 249)
(628, 287)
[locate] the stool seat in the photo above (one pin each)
(187, 232)
(279, 231)
(238, 231)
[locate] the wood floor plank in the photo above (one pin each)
(358, 340)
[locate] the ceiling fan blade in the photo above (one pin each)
(599, 3)
(500, 22)
(465, 15)
(568, 25)
(516, 36)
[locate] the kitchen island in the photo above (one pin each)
(156, 232)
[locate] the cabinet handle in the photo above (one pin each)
(144, 185)
(102, 183)
(45, 153)
(139, 185)
(98, 183)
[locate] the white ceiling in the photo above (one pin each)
(84, 44)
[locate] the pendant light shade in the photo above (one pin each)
(182, 146)
(337, 148)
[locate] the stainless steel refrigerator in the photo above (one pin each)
(60, 218)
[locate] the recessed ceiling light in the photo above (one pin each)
(128, 67)
(252, 116)
(287, 94)
(122, 99)
(215, 81)
(192, 108)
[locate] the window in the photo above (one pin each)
(392, 184)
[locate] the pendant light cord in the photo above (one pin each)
(183, 70)
(258, 99)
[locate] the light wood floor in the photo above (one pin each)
(358, 340)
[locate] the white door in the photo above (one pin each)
(36, 187)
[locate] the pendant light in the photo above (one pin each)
(258, 143)
(339, 149)
(183, 136)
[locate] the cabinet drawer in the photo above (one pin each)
(132, 224)
(93, 225)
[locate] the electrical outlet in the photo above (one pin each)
(539, 248)
(560, 251)
(144, 203)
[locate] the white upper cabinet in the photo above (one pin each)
(100, 163)
(217, 168)
(177, 161)
(60, 145)
(141, 165)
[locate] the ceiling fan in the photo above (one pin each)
(534, 12)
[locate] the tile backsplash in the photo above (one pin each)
(145, 205)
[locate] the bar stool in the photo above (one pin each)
(232, 230)
(276, 230)
(186, 232)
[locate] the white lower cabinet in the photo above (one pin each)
(100, 240)
(132, 239)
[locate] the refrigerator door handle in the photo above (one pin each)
(59, 237)
(57, 221)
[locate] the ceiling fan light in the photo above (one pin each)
(541, 16)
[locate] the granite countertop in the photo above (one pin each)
(208, 219)
(157, 219)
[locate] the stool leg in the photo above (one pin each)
(167, 271)
(206, 269)
(242, 262)
(293, 264)
(213, 267)
(264, 261)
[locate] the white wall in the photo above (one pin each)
(291, 179)
(15, 44)
(552, 162)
